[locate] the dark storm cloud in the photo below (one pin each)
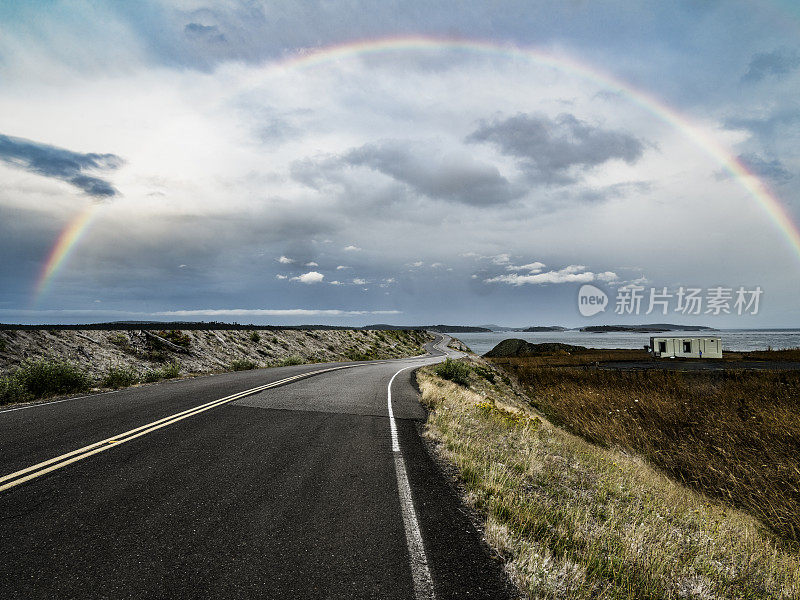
(553, 150)
(763, 167)
(60, 163)
(416, 167)
(767, 126)
(209, 33)
(453, 178)
(777, 62)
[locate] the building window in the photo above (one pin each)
(687, 347)
(662, 347)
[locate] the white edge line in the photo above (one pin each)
(39, 404)
(421, 574)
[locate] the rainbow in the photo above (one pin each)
(63, 247)
(316, 56)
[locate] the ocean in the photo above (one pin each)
(740, 340)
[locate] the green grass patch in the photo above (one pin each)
(243, 364)
(120, 377)
(177, 337)
(289, 361)
(45, 377)
(169, 371)
(486, 373)
(455, 371)
(11, 390)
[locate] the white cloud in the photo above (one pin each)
(281, 277)
(310, 277)
(501, 259)
(311, 264)
(607, 276)
(285, 260)
(569, 274)
(418, 263)
(352, 248)
(342, 268)
(359, 281)
(534, 267)
(334, 282)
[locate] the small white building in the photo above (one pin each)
(672, 346)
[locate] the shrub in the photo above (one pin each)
(358, 355)
(119, 377)
(152, 375)
(11, 390)
(455, 371)
(2, 345)
(119, 339)
(176, 337)
(169, 371)
(486, 373)
(255, 337)
(243, 364)
(288, 361)
(47, 378)
(157, 355)
(172, 370)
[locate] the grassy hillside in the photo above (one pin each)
(577, 520)
(733, 434)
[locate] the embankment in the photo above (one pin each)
(123, 357)
(578, 520)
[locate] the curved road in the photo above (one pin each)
(295, 482)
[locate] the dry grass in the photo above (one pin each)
(578, 521)
(734, 435)
(585, 357)
(590, 356)
(790, 354)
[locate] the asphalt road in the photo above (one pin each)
(315, 487)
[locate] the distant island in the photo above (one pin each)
(203, 325)
(436, 328)
(652, 328)
(520, 348)
(550, 328)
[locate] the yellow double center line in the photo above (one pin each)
(37, 470)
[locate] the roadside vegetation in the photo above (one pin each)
(592, 356)
(453, 370)
(577, 520)
(733, 434)
(168, 371)
(42, 378)
(45, 378)
(243, 364)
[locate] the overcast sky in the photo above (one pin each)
(410, 185)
